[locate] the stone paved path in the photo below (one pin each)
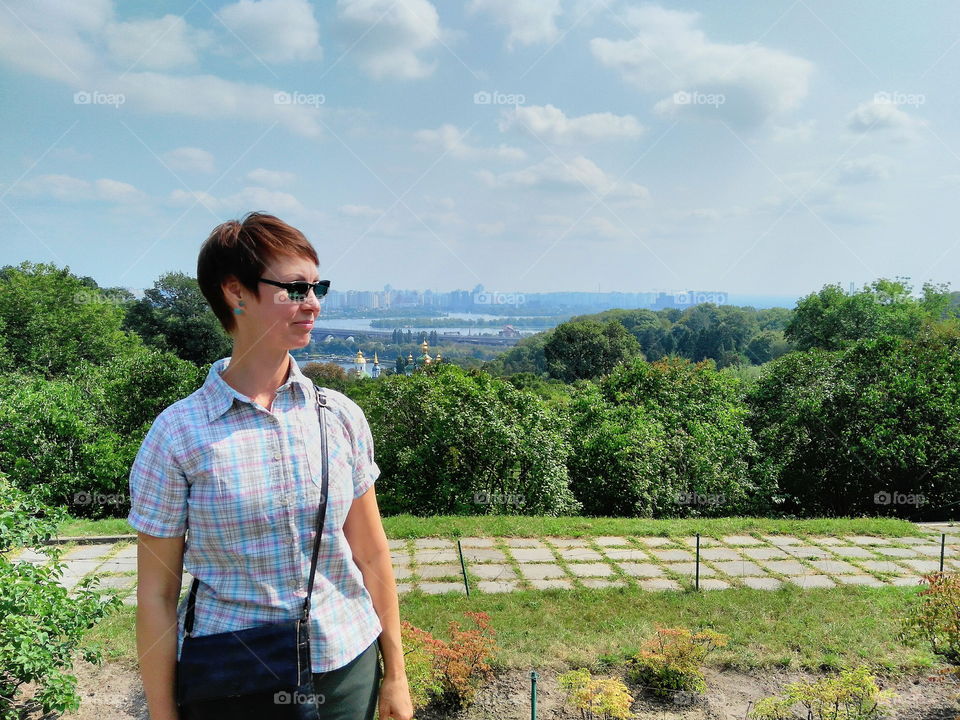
(653, 563)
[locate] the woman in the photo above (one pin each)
(239, 463)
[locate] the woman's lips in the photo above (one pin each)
(308, 324)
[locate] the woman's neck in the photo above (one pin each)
(257, 372)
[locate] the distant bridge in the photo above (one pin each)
(321, 334)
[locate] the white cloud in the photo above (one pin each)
(275, 30)
(360, 211)
(873, 116)
(552, 125)
(577, 174)
(155, 44)
(801, 131)
(489, 229)
(670, 54)
(449, 139)
(189, 159)
(71, 189)
(247, 199)
(271, 178)
(529, 21)
(865, 169)
(386, 35)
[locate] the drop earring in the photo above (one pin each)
(239, 310)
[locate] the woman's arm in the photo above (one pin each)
(363, 529)
(159, 573)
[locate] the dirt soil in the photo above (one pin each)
(113, 691)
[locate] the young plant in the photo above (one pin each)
(672, 660)
(935, 616)
(602, 698)
(849, 695)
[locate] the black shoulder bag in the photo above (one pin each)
(272, 658)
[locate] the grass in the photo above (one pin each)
(410, 526)
(812, 629)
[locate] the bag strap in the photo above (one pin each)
(321, 517)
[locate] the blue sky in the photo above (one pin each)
(531, 145)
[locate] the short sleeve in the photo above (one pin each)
(365, 469)
(158, 487)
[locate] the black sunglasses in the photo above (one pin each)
(297, 290)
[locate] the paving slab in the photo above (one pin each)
(396, 544)
(87, 552)
(541, 571)
(611, 540)
(130, 551)
(704, 542)
(402, 572)
(738, 568)
(764, 553)
(713, 584)
(785, 567)
(672, 555)
(625, 554)
(882, 566)
(568, 542)
(898, 552)
(595, 582)
(477, 542)
(906, 580)
(483, 555)
(761, 583)
(658, 584)
(867, 540)
(404, 587)
(783, 540)
(689, 568)
(433, 571)
(579, 554)
(853, 551)
(924, 566)
(915, 540)
(493, 572)
(118, 582)
(827, 540)
(547, 584)
(834, 567)
(590, 569)
(424, 557)
(860, 580)
(497, 586)
(933, 551)
(811, 581)
(636, 569)
(118, 565)
(524, 543)
(741, 540)
(532, 555)
(432, 543)
(436, 588)
(807, 551)
(719, 553)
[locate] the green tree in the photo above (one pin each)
(833, 319)
(588, 348)
(174, 316)
(52, 319)
(327, 374)
(451, 441)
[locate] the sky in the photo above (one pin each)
(765, 147)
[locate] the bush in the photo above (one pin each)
(662, 439)
(40, 625)
(603, 698)
(451, 441)
(672, 660)
(847, 432)
(449, 674)
(935, 616)
(849, 695)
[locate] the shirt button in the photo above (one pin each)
(276, 458)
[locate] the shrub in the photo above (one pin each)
(458, 667)
(603, 698)
(40, 624)
(935, 615)
(849, 695)
(672, 660)
(451, 441)
(662, 439)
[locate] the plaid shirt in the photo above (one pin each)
(246, 481)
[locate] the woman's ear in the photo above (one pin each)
(233, 291)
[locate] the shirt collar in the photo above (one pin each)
(219, 396)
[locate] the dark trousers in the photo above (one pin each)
(347, 693)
